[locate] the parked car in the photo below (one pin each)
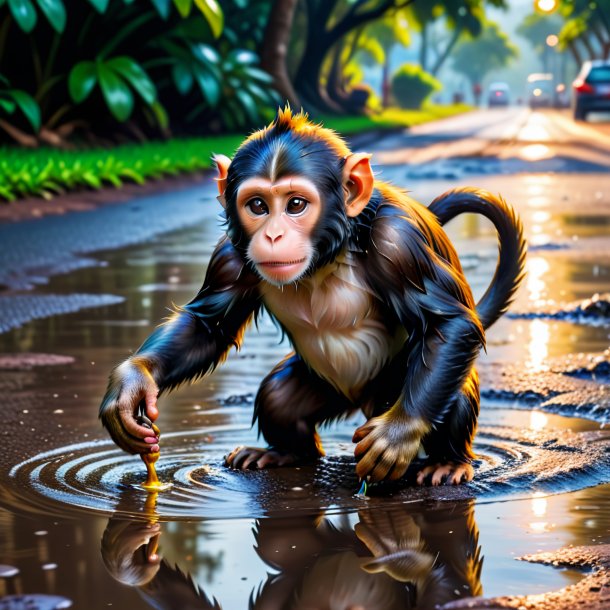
(540, 90)
(591, 89)
(498, 94)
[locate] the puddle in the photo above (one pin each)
(78, 532)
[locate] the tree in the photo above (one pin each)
(274, 48)
(475, 58)
(328, 21)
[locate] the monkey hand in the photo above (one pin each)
(129, 551)
(387, 444)
(130, 385)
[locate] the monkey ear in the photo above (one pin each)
(222, 166)
(358, 182)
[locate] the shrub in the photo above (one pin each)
(411, 86)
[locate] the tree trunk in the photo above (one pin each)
(423, 49)
(385, 81)
(438, 64)
(275, 48)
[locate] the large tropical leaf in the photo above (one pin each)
(99, 5)
(28, 105)
(55, 12)
(209, 86)
(163, 7)
(183, 78)
(24, 13)
(213, 13)
(117, 94)
(82, 80)
(184, 7)
(133, 73)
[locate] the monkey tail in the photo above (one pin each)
(512, 246)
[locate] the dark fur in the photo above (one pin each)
(408, 262)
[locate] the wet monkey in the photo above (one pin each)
(369, 290)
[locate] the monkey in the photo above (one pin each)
(367, 287)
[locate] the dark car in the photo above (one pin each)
(591, 89)
(498, 95)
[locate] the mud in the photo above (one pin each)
(574, 385)
(591, 593)
(595, 310)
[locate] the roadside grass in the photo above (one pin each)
(48, 172)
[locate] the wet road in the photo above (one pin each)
(302, 532)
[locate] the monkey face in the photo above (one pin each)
(279, 218)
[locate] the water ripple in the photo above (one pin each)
(97, 477)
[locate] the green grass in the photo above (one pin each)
(47, 172)
(393, 118)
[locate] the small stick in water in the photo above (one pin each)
(152, 482)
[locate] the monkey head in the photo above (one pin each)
(288, 195)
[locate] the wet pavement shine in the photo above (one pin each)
(83, 290)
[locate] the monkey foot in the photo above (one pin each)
(256, 458)
(449, 474)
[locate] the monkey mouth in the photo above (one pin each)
(281, 263)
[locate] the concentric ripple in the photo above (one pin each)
(98, 477)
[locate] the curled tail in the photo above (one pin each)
(512, 246)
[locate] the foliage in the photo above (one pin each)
(411, 86)
(16, 99)
(48, 172)
(477, 57)
(116, 68)
(393, 118)
(536, 27)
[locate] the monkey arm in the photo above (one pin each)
(434, 303)
(191, 343)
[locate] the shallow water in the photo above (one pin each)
(75, 525)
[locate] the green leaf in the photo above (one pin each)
(249, 104)
(258, 75)
(99, 5)
(209, 86)
(243, 56)
(162, 7)
(55, 12)
(8, 106)
(160, 114)
(117, 94)
(213, 13)
(183, 78)
(133, 73)
(28, 105)
(24, 13)
(184, 7)
(82, 80)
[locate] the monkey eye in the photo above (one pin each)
(257, 207)
(296, 206)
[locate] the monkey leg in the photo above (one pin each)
(449, 447)
(290, 402)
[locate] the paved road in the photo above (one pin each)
(507, 140)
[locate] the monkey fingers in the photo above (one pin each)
(257, 458)
(452, 474)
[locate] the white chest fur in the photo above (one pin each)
(336, 326)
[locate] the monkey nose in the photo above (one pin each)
(274, 236)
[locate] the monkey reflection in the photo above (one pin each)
(396, 558)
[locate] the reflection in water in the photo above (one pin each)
(538, 345)
(536, 152)
(536, 268)
(405, 557)
(539, 507)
